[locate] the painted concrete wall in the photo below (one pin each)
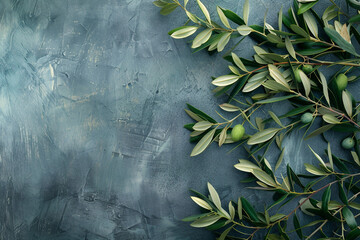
(91, 112)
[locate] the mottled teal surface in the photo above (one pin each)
(91, 112)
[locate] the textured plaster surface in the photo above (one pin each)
(91, 138)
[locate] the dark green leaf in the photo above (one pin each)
(340, 165)
(189, 126)
(342, 194)
(326, 199)
(297, 226)
(214, 38)
(306, 6)
(294, 177)
(355, 18)
(282, 198)
(297, 111)
(299, 31)
(340, 41)
(287, 21)
(169, 8)
(240, 84)
(233, 17)
(222, 91)
(219, 224)
(282, 231)
(288, 171)
(194, 217)
(201, 114)
(312, 51)
(225, 233)
(354, 234)
(355, 32)
(319, 131)
(349, 218)
(249, 210)
(275, 99)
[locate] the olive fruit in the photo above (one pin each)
(306, 118)
(307, 69)
(341, 81)
(237, 132)
(348, 143)
(297, 75)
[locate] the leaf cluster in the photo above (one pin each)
(290, 63)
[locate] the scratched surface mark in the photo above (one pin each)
(91, 138)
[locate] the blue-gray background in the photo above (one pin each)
(91, 110)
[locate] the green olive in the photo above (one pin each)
(237, 132)
(341, 81)
(307, 69)
(306, 118)
(297, 75)
(348, 143)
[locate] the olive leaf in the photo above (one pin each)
(325, 87)
(276, 119)
(184, 32)
(246, 11)
(347, 102)
(307, 5)
(214, 196)
(167, 8)
(244, 30)
(225, 80)
(264, 177)
(299, 30)
(314, 170)
(202, 126)
(204, 10)
(339, 40)
(330, 119)
(222, 137)
(306, 83)
(330, 156)
(280, 18)
(229, 107)
(246, 166)
(311, 23)
(223, 18)
(277, 75)
(255, 81)
(201, 38)
(238, 62)
(203, 143)
(280, 159)
(231, 210)
(318, 157)
(355, 157)
(326, 199)
(223, 41)
(193, 115)
(290, 47)
(349, 218)
(205, 221)
(263, 136)
(225, 233)
(201, 203)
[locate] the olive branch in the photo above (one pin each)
(287, 65)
